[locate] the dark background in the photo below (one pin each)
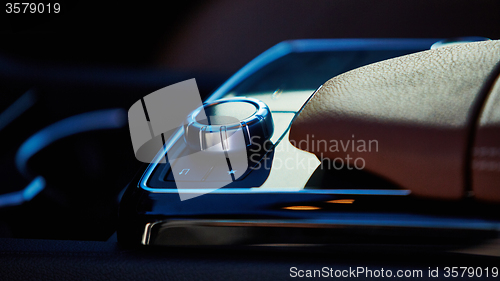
(222, 35)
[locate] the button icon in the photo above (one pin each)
(185, 171)
(189, 169)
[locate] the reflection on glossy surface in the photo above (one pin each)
(280, 100)
(302, 208)
(341, 201)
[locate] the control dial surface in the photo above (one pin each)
(231, 124)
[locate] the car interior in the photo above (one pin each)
(101, 183)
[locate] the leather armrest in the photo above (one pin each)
(418, 112)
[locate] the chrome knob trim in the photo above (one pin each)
(234, 134)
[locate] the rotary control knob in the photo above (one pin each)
(229, 125)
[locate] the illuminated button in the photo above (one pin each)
(225, 174)
(186, 169)
(221, 174)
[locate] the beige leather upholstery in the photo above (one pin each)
(418, 108)
(486, 153)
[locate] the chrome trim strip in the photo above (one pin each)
(255, 231)
(418, 221)
(146, 236)
(388, 192)
(321, 45)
